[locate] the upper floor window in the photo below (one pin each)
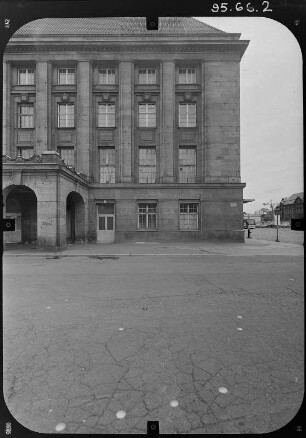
(147, 115)
(187, 164)
(147, 76)
(66, 76)
(27, 152)
(26, 116)
(187, 76)
(187, 115)
(147, 165)
(107, 164)
(26, 76)
(65, 115)
(106, 115)
(107, 76)
(67, 154)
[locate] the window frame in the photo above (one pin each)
(146, 213)
(59, 75)
(61, 104)
(107, 166)
(194, 165)
(187, 81)
(147, 113)
(147, 166)
(27, 75)
(188, 115)
(145, 73)
(61, 148)
(107, 70)
(25, 148)
(25, 116)
(188, 215)
(110, 117)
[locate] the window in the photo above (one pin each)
(67, 155)
(107, 76)
(147, 216)
(26, 76)
(147, 115)
(189, 219)
(187, 115)
(147, 165)
(187, 76)
(65, 115)
(66, 76)
(107, 165)
(147, 76)
(25, 152)
(26, 116)
(106, 115)
(187, 165)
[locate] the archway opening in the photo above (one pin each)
(75, 218)
(21, 205)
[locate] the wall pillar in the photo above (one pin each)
(167, 121)
(6, 109)
(83, 117)
(126, 91)
(42, 107)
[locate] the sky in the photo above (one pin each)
(271, 109)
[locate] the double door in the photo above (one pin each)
(106, 223)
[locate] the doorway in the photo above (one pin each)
(106, 223)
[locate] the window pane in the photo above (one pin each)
(107, 76)
(26, 76)
(106, 115)
(65, 115)
(26, 116)
(101, 223)
(66, 76)
(106, 208)
(110, 223)
(67, 155)
(26, 152)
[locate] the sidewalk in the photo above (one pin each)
(249, 248)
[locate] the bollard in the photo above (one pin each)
(249, 234)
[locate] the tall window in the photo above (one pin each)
(107, 76)
(189, 216)
(67, 155)
(147, 76)
(187, 165)
(147, 217)
(66, 76)
(147, 115)
(26, 116)
(65, 115)
(106, 115)
(107, 165)
(26, 76)
(25, 152)
(187, 76)
(187, 115)
(147, 165)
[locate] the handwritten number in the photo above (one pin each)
(266, 8)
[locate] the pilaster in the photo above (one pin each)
(126, 91)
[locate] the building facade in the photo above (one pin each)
(291, 208)
(112, 132)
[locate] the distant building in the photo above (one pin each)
(113, 132)
(292, 207)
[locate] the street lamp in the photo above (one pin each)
(273, 214)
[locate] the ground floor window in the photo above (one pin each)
(189, 216)
(147, 216)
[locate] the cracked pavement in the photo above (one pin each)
(85, 338)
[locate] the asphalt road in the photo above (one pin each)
(104, 345)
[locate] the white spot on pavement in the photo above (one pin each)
(50, 410)
(121, 328)
(296, 379)
(84, 421)
(48, 307)
(223, 390)
(239, 316)
(66, 300)
(60, 427)
(239, 328)
(174, 403)
(120, 414)
(292, 279)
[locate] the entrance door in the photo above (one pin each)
(106, 223)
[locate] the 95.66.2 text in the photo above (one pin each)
(242, 7)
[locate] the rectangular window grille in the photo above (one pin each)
(189, 216)
(25, 152)
(147, 165)
(26, 76)
(187, 165)
(107, 165)
(65, 115)
(147, 115)
(147, 216)
(66, 76)
(147, 76)
(106, 115)
(107, 76)
(187, 115)
(26, 116)
(67, 155)
(187, 76)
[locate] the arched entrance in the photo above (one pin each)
(75, 218)
(21, 205)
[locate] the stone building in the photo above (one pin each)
(291, 208)
(112, 132)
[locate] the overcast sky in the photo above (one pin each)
(271, 109)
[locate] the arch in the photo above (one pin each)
(75, 218)
(20, 203)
